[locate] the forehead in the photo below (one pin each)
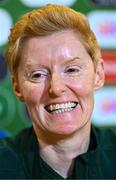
(59, 45)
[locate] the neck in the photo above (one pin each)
(64, 149)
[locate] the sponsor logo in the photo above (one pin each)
(105, 107)
(8, 107)
(35, 3)
(103, 24)
(3, 69)
(110, 67)
(5, 24)
(104, 2)
(4, 134)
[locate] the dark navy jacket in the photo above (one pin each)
(20, 159)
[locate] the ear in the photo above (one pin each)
(99, 76)
(16, 88)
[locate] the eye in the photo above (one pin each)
(72, 70)
(38, 76)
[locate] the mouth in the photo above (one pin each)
(61, 108)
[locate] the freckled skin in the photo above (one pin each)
(53, 53)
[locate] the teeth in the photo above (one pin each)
(61, 107)
(62, 110)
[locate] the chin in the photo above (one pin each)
(64, 130)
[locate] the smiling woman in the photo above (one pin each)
(56, 66)
(57, 77)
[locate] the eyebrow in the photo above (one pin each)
(66, 62)
(73, 60)
(29, 65)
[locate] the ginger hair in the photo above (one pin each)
(45, 21)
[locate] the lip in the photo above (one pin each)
(60, 102)
(66, 102)
(63, 114)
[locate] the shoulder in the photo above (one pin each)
(10, 162)
(106, 137)
(11, 150)
(12, 154)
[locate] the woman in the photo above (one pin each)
(56, 66)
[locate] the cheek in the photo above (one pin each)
(32, 94)
(82, 88)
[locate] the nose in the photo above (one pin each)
(57, 86)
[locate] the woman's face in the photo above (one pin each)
(56, 80)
